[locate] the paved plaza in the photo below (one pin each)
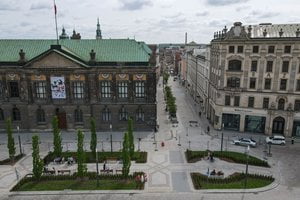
(166, 167)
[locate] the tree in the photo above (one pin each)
(37, 162)
(130, 137)
(56, 137)
(81, 166)
(93, 144)
(126, 156)
(10, 141)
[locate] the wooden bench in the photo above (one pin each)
(195, 123)
(62, 171)
(106, 171)
(119, 171)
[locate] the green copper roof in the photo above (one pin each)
(107, 50)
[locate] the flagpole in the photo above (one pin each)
(55, 12)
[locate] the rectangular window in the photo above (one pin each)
(139, 89)
(287, 49)
(231, 49)
(237, 101)
(122, 89)
(255, 49)
(227, 100)
(78, 90)
(271, 49)
(40, 89)
(269, 66)
(240, 49)
(1, 90)
(268, 82)
(106, 115)
(285, 66)
(297, 105)
(252, 83)
(266, 103)
(251, 102)
(298, 85)
(254, 66)
(14, 89)
(283, 83)
(105, 89)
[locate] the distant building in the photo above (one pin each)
(255, 79)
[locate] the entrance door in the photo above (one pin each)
(278, 125)
(62, 120)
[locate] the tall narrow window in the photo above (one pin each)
(271, 49)
(281, 103)
(40, 89)
(297, 105)
(287, 49)
(139, 116)
(285, 66)
(40, 115)
(252, 83)
(268, 82)
(105, 89)
(255, 49)
(227, 100)
(122, 89)
(1, 115)
(254, 66)
(251, 102)
(123, 115)
(231, 49)
(106, 115)
(16, 114)
(237, 101)
(14, 89)
(240, 49)
(140, 89)
(266, 103)
(283, 83)
(298, 85)
(269, 66)
(78, 116)
(78, 90)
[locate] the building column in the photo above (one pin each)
(242, 122)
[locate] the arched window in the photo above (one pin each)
(139, 115)
(123, 114)
(281, 103)
(40, 115)
(106, 115)
(16, 114)
(1, 115)
(234, 65)
(233, 82)
(78, 116)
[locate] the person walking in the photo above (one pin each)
(208, 129)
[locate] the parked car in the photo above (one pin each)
(245, 142)
(276, 139)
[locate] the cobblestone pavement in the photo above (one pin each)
(167, 169)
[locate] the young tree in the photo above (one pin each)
(37, 162)
(81, 166)
(130, 137)
(10, 141)
(126, 156)
(93, 144)
(56, 137)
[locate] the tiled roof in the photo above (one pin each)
(272, 30)
(107, 50)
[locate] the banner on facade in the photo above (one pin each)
(58, 88)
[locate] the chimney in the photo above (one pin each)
(185, 42)
(22, 56)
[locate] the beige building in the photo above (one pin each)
(255, 79)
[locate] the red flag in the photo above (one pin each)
(55, 10)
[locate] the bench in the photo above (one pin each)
(119, 171)
(62, 171)
(193, 123)
(106, 171)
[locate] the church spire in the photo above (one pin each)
(98, 31)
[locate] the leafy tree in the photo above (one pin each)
(126, 156)
(37, 162)
(130, 137)
(10, 141)
(93, 144)
(81, 166)
(56, 137)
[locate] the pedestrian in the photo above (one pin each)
(208, 129)
(200, 114)
(104, 165)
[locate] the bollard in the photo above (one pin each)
(292, 141)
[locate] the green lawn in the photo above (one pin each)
(235, 181)
(79, 185)
(230, 156)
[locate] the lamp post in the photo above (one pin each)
(139, 144)
(222, 137)
(187, 131)
(19, 137)
(111, 144)
(97, 167)
(247, 152)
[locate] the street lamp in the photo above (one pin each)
(97, 167)
(19, 137)
(247, 153)
(111, 144)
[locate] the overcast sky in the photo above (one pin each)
(152, 21)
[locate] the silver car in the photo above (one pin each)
(276, 139)
(245, 142)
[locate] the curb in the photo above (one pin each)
(74, 192)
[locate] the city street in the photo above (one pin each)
(167, 168)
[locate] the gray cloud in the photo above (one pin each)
(261, 15)
(134, 4)
(24, 24)
(240, 8)
(40, 6)
(218, 23)
(202, 14)
(7, 6)
(224, 2)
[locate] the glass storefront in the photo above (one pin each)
(231, 122)
(296, 129)
(255, 124)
